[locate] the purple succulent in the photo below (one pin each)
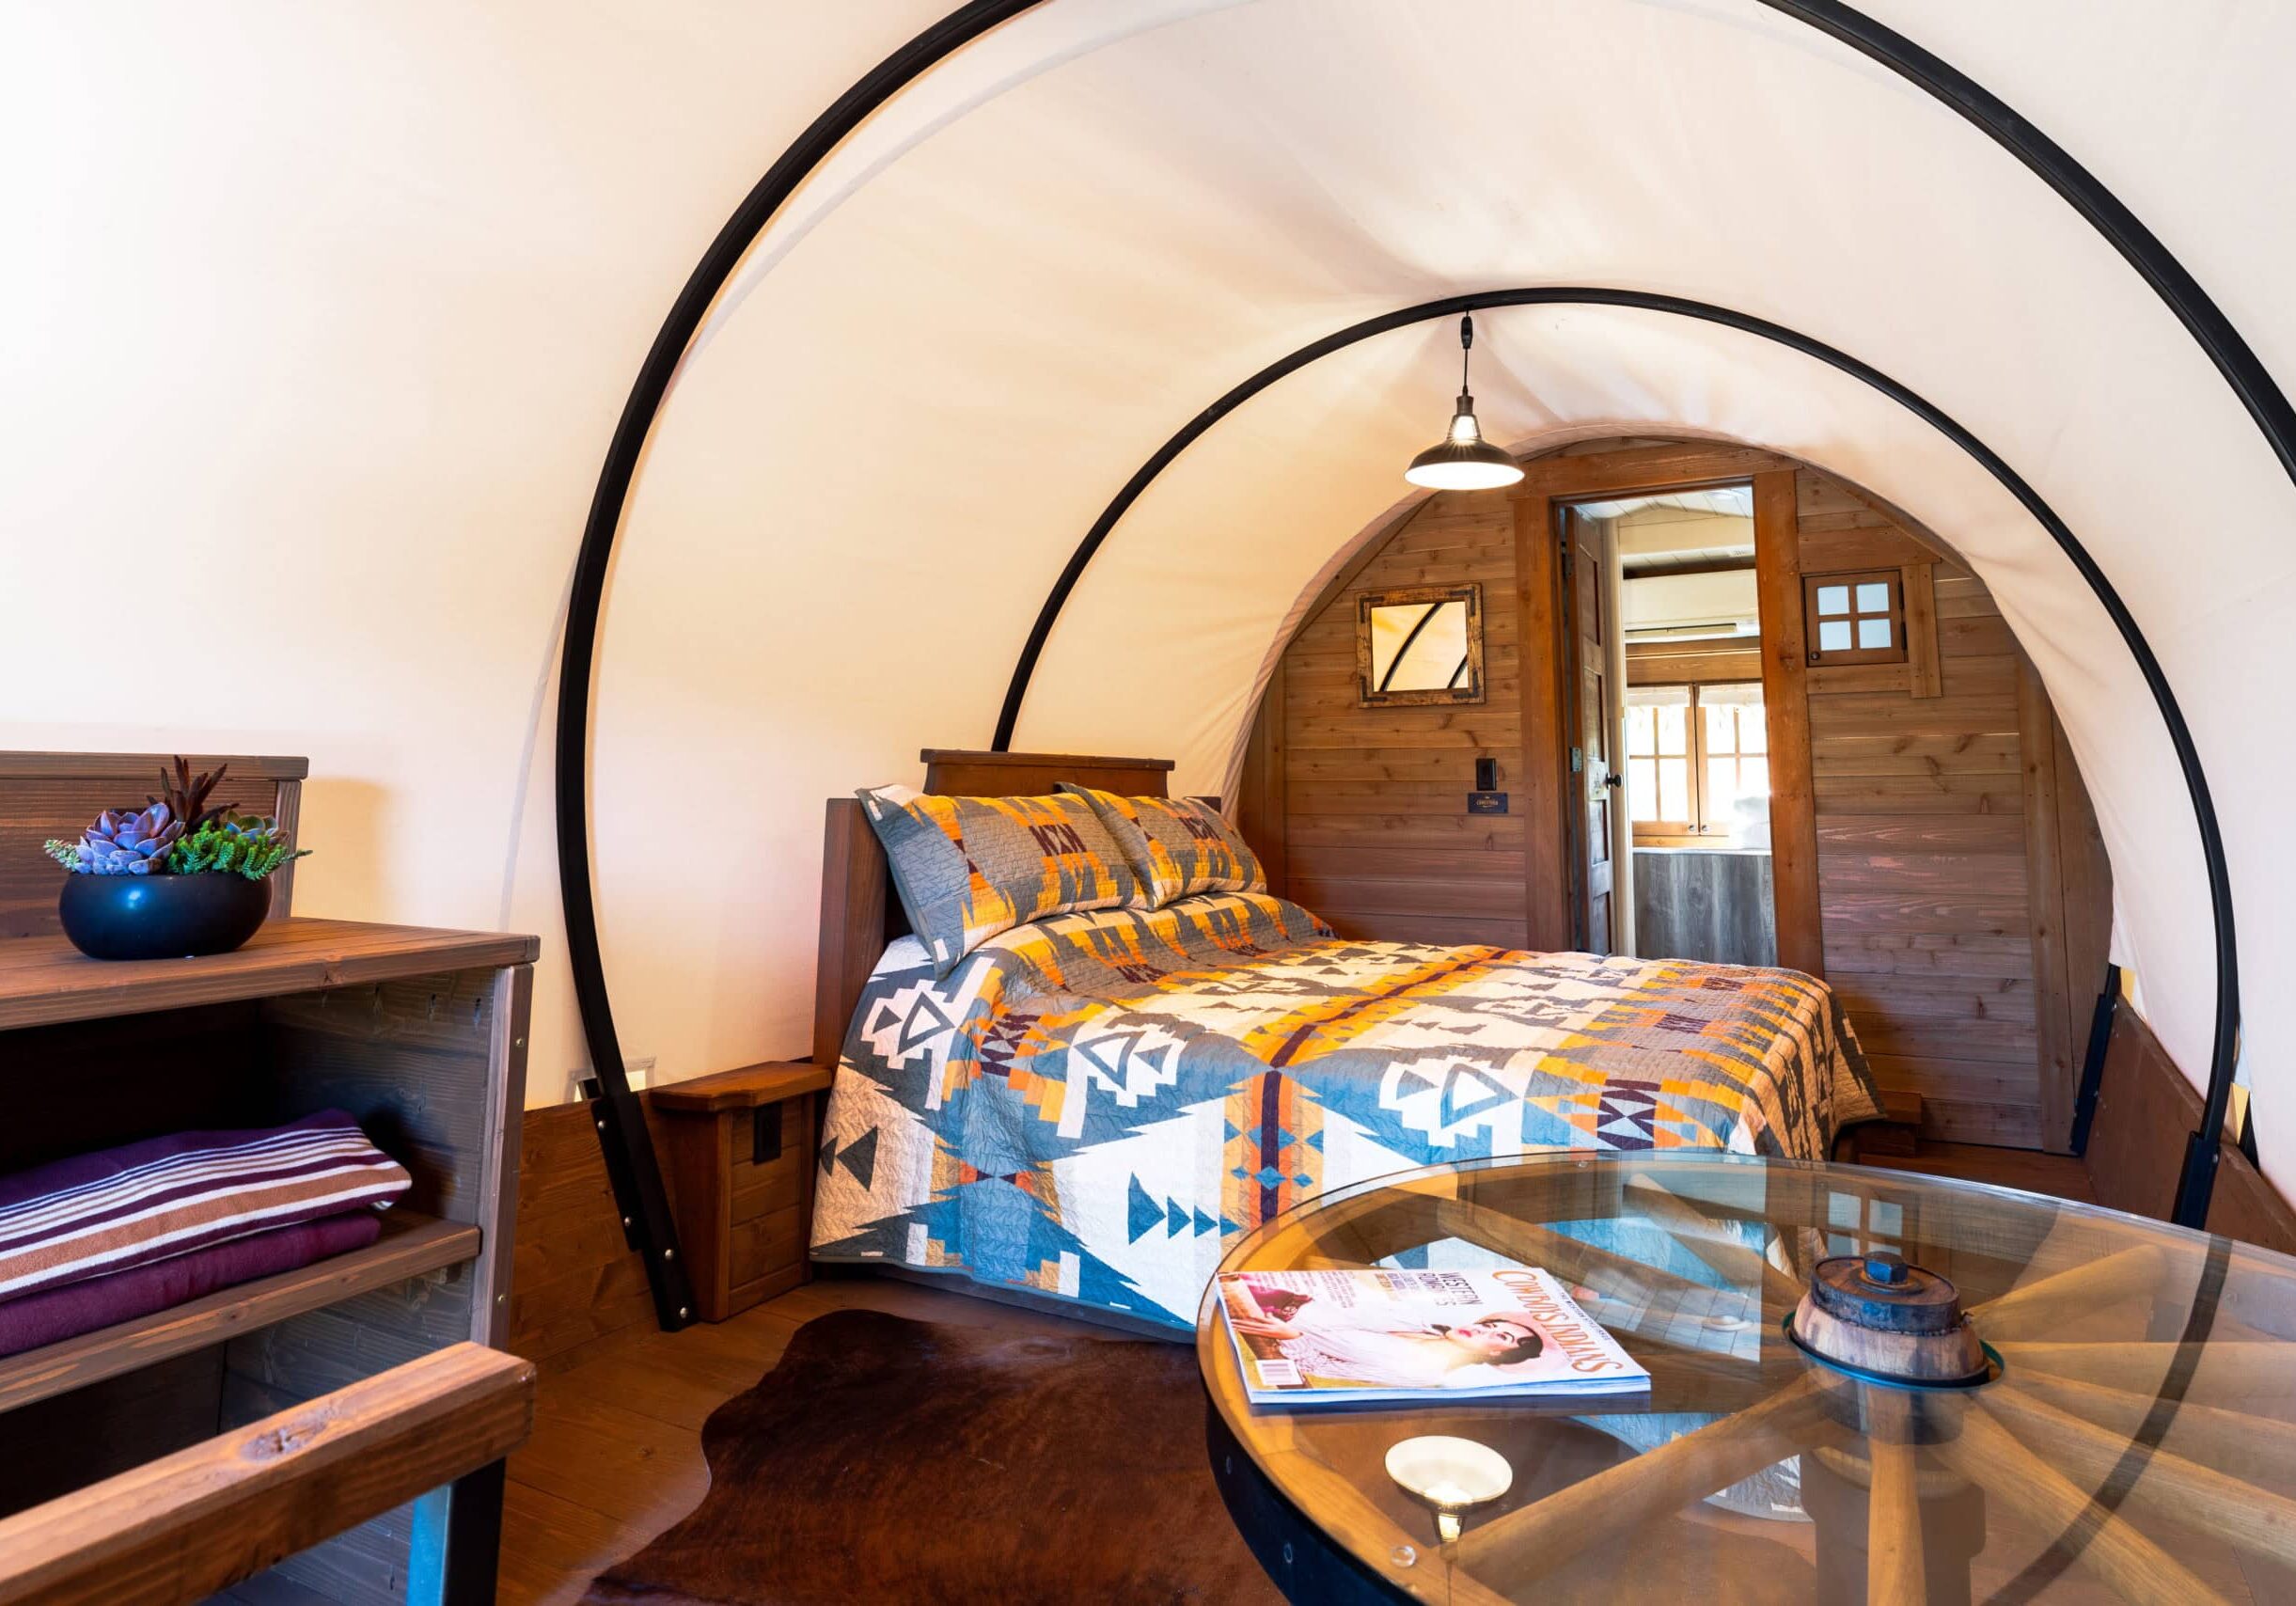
(128, 842)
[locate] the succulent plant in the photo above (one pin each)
(179, 835)
(186, 795)
(248, 845)
(124, 842)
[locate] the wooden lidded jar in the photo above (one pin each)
(1878, 1314)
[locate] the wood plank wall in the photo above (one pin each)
(2145, 1110)
(1963, 894)
(1940, 817)
(573, 1278)
(1376, 836)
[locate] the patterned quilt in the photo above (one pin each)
(1093, 1106)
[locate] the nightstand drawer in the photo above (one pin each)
(765, 1246)
(762, 1186)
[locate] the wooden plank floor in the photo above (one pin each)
(616, 1456)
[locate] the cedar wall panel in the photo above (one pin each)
(1951, 931)
(1377, 839)
(1965, 937)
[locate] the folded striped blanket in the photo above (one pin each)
(57, 1314)
(96, 1214)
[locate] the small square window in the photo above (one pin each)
(1855, 619)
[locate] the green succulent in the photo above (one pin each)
(248, 845)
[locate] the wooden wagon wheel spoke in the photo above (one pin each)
(2053, 1298)
(2258, 1448)
(1988, 1454)
(2170, 1486)
(1364, 1230)
(1542, 1536)
(1893, 1564)
(1717, 1244)
(2247, 1371)
(1614, 1276)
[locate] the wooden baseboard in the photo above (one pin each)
(2145, 1110)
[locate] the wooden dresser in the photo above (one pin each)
(168, 1450)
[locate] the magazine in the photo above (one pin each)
(1334, 1337)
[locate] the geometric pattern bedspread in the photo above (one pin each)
(1093, 1106)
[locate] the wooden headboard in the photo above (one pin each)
(859, 912)
(57, 795)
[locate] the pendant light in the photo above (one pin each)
(1463, 460)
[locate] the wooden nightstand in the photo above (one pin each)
(740, 1151)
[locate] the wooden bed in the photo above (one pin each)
(1254, 1079)
(859, 912)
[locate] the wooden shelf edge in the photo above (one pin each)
(45, 982)
(411, 1245)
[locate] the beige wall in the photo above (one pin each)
(318, 320)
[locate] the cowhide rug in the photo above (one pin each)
(897, 1460)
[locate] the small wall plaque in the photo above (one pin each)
(1486, 802)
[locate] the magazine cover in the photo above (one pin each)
(1309, 1337)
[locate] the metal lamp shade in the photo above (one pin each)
(1463, 466)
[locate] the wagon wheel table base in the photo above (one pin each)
(2129, 1433)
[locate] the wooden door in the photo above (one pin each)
(1591, 723)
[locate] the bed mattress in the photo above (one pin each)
(1093, 1106)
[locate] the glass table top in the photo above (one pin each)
(2137, 1442)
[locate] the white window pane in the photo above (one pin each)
(1833, 599)
(1642, 731)
(1674, 789)
(1873, 597)
(1673, 734)
(1721, 727)
(1753, 731)
(1834, 634)
(1872, 632)
(1642, 789)
(1754, 779)
(1721, 790)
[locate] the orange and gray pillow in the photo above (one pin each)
(1176, 846)
(967, 868)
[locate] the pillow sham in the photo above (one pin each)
(1176, 846)
(967, 868)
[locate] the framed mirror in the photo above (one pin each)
(1421, 645)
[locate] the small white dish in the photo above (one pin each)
(1450, 1474)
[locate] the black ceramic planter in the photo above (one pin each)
(161, 917)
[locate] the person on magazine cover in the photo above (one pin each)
(1388, 1347)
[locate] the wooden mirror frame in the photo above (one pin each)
(1475, 691)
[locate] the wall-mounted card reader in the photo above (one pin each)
(1486, 775)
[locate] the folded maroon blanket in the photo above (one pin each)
(95, 1215)
(76, 1307)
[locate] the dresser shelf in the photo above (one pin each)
(411, 1245)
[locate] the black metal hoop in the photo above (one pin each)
(621, 1122)
(2201, 1155)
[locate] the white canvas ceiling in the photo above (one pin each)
(1006, 292)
